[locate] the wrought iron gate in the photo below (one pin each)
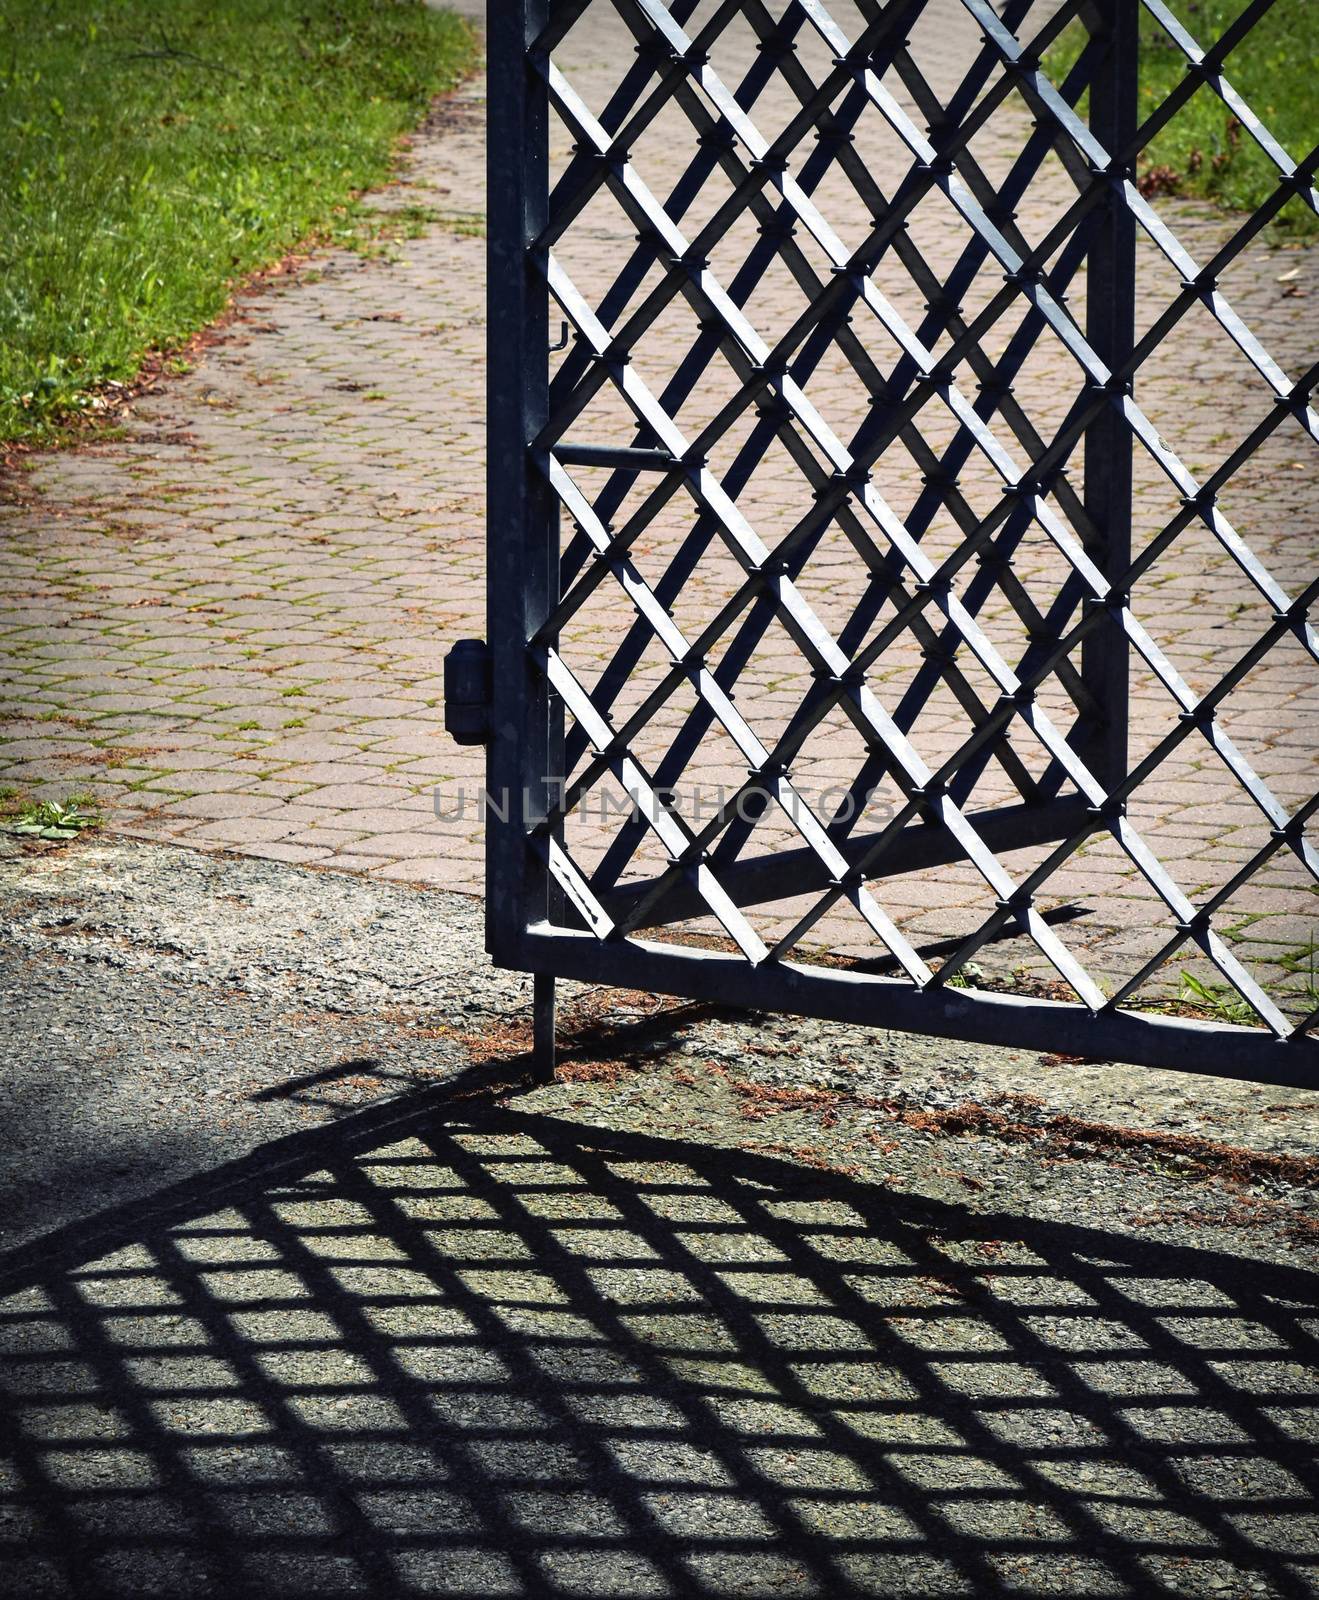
(747, 519)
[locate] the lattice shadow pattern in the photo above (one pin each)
(845, 443)
(513, 1356)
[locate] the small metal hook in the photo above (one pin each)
(563, 339)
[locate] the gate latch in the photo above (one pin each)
(467, 682)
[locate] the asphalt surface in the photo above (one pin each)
(308, 1288)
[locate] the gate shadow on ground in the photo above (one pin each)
(456, 1350)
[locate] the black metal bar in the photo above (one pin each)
(542, 1024)
(522, 515)
(1140, 1038)
(630, 458)
(1110, 328)
(793, 872)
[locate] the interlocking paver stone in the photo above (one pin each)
(246, 602)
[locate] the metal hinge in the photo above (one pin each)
(467, 681)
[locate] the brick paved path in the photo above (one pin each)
(230, 626)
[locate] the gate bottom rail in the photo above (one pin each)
(1137, 1038)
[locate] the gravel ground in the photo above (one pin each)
(311, 1290)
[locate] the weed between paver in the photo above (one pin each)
(153, 155)
(56, 821)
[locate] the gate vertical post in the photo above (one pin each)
(522, 528)
(1110, 316)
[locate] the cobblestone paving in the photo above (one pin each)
(229, 627)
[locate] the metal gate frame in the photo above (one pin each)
(542, 915)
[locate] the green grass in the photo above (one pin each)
(1203, 151)
(155, 151)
